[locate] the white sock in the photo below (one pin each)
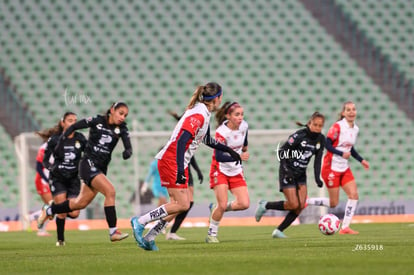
(112, 230)
(228, 207)
(153, 215)
(318, 201)
(349, 212)
(156, 230)
(213, 228)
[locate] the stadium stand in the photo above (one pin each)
(272, 56)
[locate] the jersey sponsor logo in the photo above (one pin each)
(291, 140)
(303, 143)
(69, 156)
(194, 122)
(105, 139)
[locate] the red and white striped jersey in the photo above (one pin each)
(233, 139)
(343, 139)
(196, 122)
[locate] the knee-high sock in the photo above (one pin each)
(290, 217)
(349, 212)
(275, 205)
(180, 218)
(59, 208)
(157, 229)
(156, 214)
(60, 229)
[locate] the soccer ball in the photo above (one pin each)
(329, 224)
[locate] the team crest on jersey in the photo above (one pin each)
(117, 130)
(89, 119)
(77, 144)
(318, 145)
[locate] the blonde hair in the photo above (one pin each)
(205, 94)
(340, 116)
(312, 117)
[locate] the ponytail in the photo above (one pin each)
(57, 129)
(205, 94)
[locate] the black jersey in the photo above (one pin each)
(65, 158)
(102, 140)
(296, 153)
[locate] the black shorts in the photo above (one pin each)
(283, 184)
(60, 185)
(88, 170)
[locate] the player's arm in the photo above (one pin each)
(318, 163)
(213, 143)
(51, 143)
(126, 141)
(194, 163)
(181, 144)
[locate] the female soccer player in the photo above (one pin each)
(64, 181)
(294, 157)
(225, 175)
(192, 129)
(104, 133)
(172, 235)
(336, 172)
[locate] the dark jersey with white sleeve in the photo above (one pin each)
(102, 140)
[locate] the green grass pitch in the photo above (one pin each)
(378, 249)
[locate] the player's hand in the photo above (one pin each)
(365, 164)
(319, 183)
(235, 156)
(181, 178)
(126, 154)
(346, 155)
(200, 178)
(245, 156)
(144, 188)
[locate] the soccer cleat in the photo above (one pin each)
(211, 239)
(150, 245)
(348, 230)
(43, 216)
(174, 237)
(260, 210)
(138, 229)
(211, 207)
(278, 234)
(60, 243)
(118, 236)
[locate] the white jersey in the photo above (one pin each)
(235, 140)
(196, 121)
(344, 138)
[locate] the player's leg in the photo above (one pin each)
(292, 203)
(60, 220)
(172, 235)
(350, 188)
(217, 211)
(102, 184)
(238, 188)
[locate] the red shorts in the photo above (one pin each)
(168, 174)
(335, 179)
(216, 178)
(42, 187)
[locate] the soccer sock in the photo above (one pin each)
(157, 229)
(213, 228)
(290, 217)
(153, 215)
(276, 205)
(43, 228)
(349, 212)
(228, 208)
(318, 201)
(180, 218)
(59, 208)
(110, 215)
(60, 229)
